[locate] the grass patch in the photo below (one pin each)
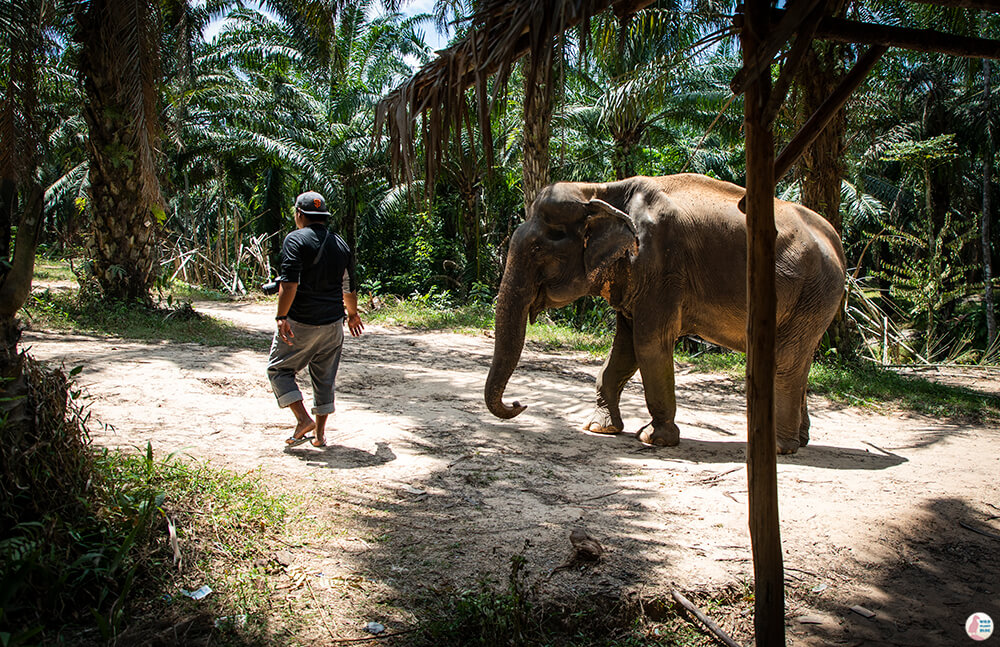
(179, 291)
(421, 315)
(556, 337)
(871, 386)
(545, 334)
(63, 311)
(722, 361)
(47, 269)
(867, 385)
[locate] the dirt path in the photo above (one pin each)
(439, 492)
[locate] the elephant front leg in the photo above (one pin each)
(618, 369)
(656, 365)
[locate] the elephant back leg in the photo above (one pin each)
(790, 385)
(618, 369)
(804, 419)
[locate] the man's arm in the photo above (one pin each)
(354, 322)
(286, 294)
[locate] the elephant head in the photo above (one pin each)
(555, 257)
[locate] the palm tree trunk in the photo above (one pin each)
(8, 195)
(984, 229)
(118, 66)
(821, 167)
(537, 132)
(15, 286)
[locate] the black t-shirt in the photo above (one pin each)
(320, 296)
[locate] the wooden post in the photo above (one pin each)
(765, 533)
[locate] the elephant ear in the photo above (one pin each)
(610, 234)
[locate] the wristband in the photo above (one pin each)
(281, 317)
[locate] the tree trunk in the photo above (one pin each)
(8, 196)
(984, 229)
(15, 286)
(821, 167)
(537, 131)
(118, 66)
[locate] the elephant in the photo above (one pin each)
(669, 254)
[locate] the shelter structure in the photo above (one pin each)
(506, 31)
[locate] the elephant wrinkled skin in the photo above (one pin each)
(669, 254)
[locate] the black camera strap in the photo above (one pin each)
(322, 248)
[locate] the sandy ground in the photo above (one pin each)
(872, 511)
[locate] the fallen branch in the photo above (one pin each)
(721, 635)
(601, 496)
(715, 478)
(376, 637)
(984, 533)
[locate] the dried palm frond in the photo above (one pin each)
(501, 33)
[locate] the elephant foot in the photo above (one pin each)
(789, 445)
(663, 434)
(804, 430)
(604, 422)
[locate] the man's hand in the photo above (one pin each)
(285, 331)
(355, 324)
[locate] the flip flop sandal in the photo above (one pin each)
(292, 441)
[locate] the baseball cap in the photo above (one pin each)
(311, 204)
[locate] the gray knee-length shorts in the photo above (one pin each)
(316, 347)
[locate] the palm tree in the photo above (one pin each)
(270, 111)
(119, 66)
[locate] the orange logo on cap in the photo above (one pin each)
(316, 202)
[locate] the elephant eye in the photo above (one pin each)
(555, 234)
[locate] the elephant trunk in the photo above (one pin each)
(513, 304)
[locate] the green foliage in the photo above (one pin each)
(99, 566)
(933, 150)
(930, 274)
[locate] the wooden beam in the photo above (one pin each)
(776, 39)
(818, 121)
(802, 44)
(919, 40)
(765, 531)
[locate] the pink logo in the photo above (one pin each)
(979, 626)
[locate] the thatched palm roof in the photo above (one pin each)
(501, 33)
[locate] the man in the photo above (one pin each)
(317, 288)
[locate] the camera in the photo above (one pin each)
(271, 287)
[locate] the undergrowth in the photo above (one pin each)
(85, 553)
(515, 613)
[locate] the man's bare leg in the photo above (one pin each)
(320, 439)
(305, 422)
